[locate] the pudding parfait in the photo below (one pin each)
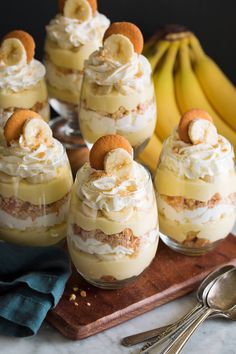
(35, 182)
(74, 34)
(113, 224)
(22, 78)
(196, 186)
(117, 94)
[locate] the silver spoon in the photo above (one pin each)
(163, 332)
(181, 341)
(161, 338)
(220, 298)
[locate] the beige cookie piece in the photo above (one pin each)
(129, 30)
(187, 118)
(27, 41)
(104, 145)
(15, 124)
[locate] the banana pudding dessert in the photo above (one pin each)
(113, 225)
(117, 93)
(35, 182)
(72, 36)
(196, 186)
(22, 78)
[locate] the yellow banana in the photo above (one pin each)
(150, 155)
(190, 94)
(168, 114)
(160, 49)
(220, 92)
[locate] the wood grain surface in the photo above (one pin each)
(170, 276)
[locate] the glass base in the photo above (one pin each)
(112, 283)
(66, 127)
(109, 284)
(138, 149)
(187, 250)
(63, 131)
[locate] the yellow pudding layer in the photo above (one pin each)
(212, 231)
(69, 58)
(123, 268)
(24, 99)
(168, 183)
(64, 95)
(35, 237)
(40, 193)
(111, 102)
(135, 138)
(140, 222)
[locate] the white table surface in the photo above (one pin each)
(216, 336)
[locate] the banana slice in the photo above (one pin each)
(87, 211)
(118, 162)
(36, 132)
(202, 131)
(4, 178)
(119, 216)
(78, 9)
(120, 47)
(12, 52)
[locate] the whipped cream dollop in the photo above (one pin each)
(36, 166)
(102, 69)
(22, 75)
(71, 33)
(115, 197)
(197, 161)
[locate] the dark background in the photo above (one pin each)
(213, 21)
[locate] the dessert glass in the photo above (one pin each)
(196, 194)
(117, 92)
(113, 225)
(35, 185)
(69, 42)
(22, 83)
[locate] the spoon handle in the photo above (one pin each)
(176, 346)
(160, 333)
(172, 329)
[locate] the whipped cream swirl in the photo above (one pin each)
(197, 161)
(71, 33)
(102, 69)
(37, 166)
(109, 193)
(21, 76)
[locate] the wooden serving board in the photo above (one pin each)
(170, 276)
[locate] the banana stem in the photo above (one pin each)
(197, 48)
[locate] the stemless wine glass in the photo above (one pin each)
(113, 226)
(22, 78)
(117, 92)
(71, 37)
(196, 195)
(35, 187)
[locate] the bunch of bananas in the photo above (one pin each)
(185, 78)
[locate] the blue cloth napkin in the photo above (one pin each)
(32, 280)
